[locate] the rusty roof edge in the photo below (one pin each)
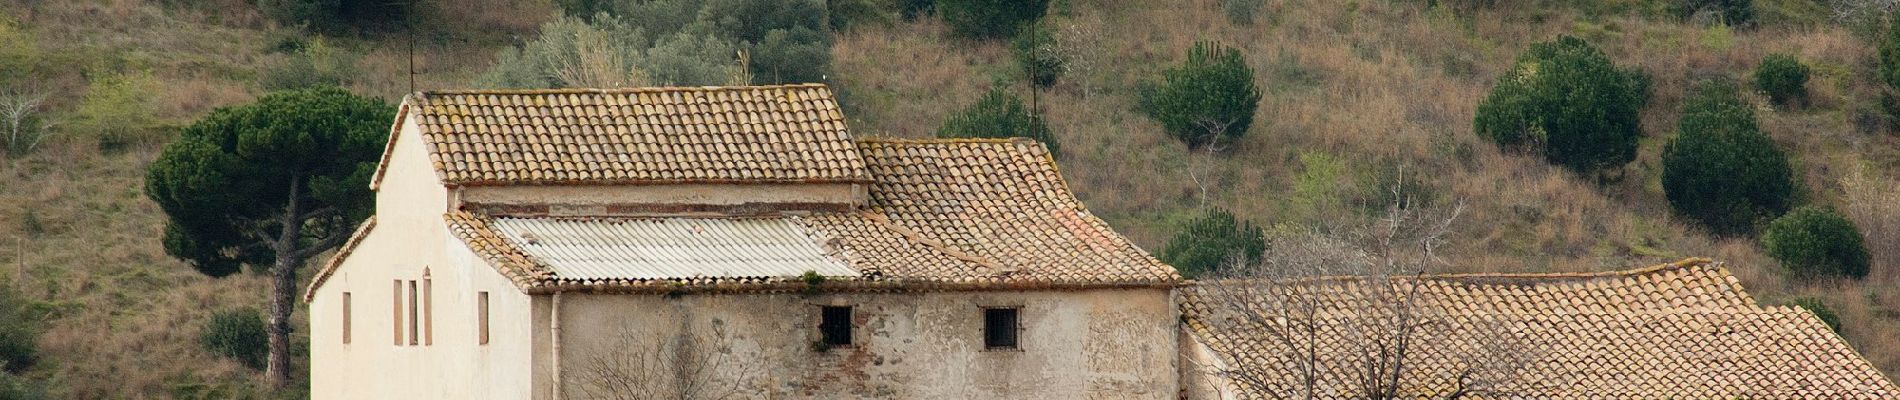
(643, 89)
(336, 260)
(1548, 277)
(796, 285)
(389, 147)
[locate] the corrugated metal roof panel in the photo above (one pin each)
(672, 248)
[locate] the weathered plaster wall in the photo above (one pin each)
(409, 236)
(1109, 343)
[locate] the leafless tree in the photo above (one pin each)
(686, 366)
(1343, 316)
(21, 125)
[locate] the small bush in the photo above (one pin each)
(15, 387)
(990, 19)
(1209, 99)
(1782, 77)
(1821, 311)
(1565, 99)
(19, 333)
(911, 9)
(673, 42)
(845, 14)
(117, 110)
(1816, 242)
(23, 123)
(1211, 240)
(1037, 55)
(236, 334)
(1721, 171)
(1242, 11)
(338, 16)
(311, 65)
(998, 115)
(1732, 12)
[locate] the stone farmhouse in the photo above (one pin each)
(741, 242)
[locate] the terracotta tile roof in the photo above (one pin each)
(1683, 330)
(975, 213)
(787, 133)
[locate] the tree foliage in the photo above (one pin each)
(673, 42)
(1816, 242)
(1210, 98)
(237, 334)
(990, 19)
(1783, 77)
(270, 184)
(1564, 98)
(1037, 55)
(1721, 171)
(998, 114)
(225, 180)
(1211, 240)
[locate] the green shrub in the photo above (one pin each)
(1721, 171)
(1565, 99)
(1037, 55)
(847, 13)
(18, 54)
(311, 65)
(19, 332)
(338, 16)
(117, 110)
(15, 387)
(911, 9)
(998, 115)
(990, 19)
(673, 42)
(1211, 240)
(1733, 12)
(1242, 11)
(237, 334)
(1816, 242)
(1783, 77)
(1821, 311)
(1209, 99)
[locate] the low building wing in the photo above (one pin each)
(1682, 330)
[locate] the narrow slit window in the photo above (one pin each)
(346, 317)
(481, 316)
(412, 313)
(395, 310)
(1000, 326)
(835, 325)
(428, 309)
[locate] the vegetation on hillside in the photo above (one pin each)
(1352, 104)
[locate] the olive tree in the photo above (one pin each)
(270, 185)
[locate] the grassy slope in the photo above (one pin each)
(1376, 83)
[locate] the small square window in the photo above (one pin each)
(999, 328)
(835, 325)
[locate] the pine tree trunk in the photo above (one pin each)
(282, 303)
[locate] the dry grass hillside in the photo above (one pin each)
(1358, 95)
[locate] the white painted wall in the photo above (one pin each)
(410, 235)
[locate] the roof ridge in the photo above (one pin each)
(632, 89)
(891, 140)
(1681, 264)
